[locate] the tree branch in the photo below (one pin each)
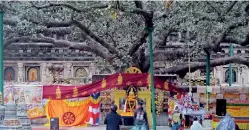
(218, 12)
(138, 4)
(136, 11)
(69, 6)
(169, 55)
(9, 22)
(5, 8)
(62, 30)
(163, 55)
(141, 40)
(229, 8)
(11, 40)
(59, 43)
(182, 70)
(113, 40)
(58, 24)
(236, 41)
(222, 36)
(111, 49)
(162, 38)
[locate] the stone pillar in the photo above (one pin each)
(219, 74)
(21, 72)
(92, 69)
(67, 70)
(43, 72)
(246, 75)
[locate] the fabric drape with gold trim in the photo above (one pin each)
(70, 113)
(112, 81)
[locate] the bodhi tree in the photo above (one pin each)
(115, 30)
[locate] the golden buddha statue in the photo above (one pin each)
(131, 94)
(130, 104)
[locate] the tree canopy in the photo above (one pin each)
(115, 30)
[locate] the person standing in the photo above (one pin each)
(226, 123)
(140, 118)
(176, 118)
(113, 119)
(196, 125)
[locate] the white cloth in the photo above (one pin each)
(196, 126)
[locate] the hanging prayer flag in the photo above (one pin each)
(94, 109)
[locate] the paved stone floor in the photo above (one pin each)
(102, 127)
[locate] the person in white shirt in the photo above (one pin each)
(196, 125)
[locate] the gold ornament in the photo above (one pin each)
(119, 80)
(58, 93)
(133, 70)
(159, 101)
(131, 108)
(128, 83)
(139, 83)
(149, 82)
(166, 85)
(149, 79)
(104, 84)
(75, 92)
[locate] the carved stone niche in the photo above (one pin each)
(80, 71)
(10, 73)
(32, 73)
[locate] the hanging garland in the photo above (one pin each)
(159, 101)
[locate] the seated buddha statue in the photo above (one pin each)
(130, 104)
(131, 94)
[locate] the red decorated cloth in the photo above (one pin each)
(112, 81)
